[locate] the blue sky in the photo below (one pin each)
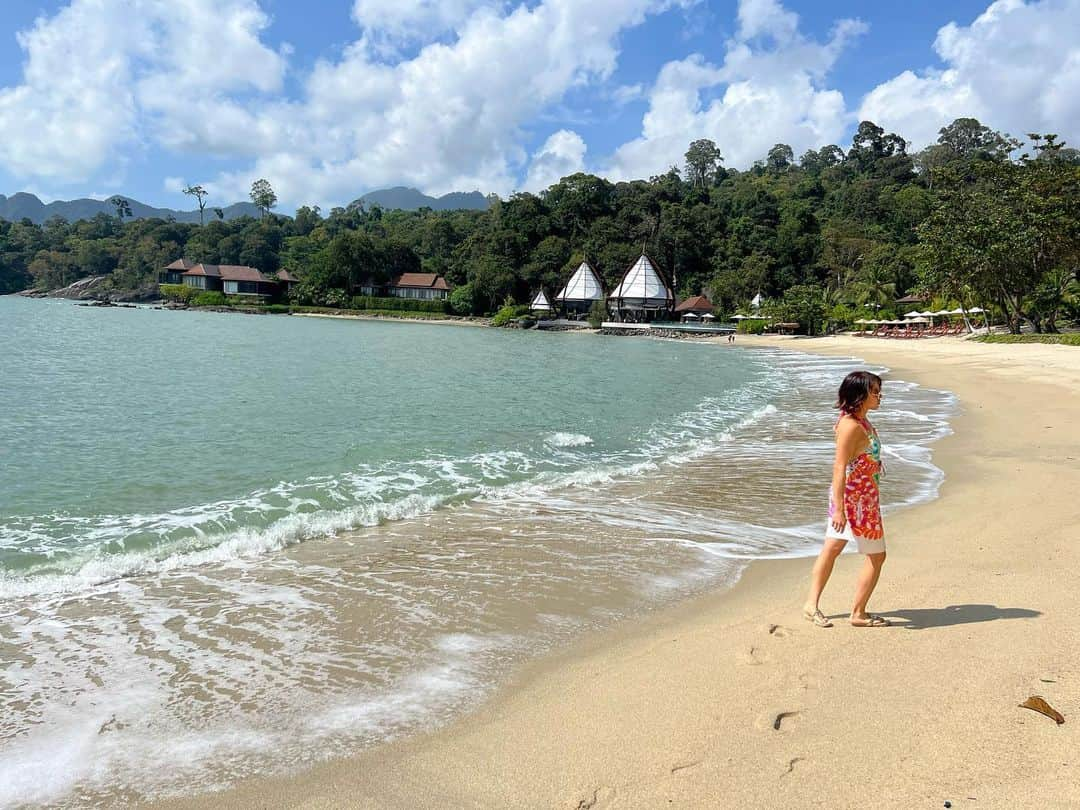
(328, 100)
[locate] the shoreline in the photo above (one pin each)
(355, 317)
(732, 694)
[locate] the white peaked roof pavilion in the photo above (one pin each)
(582, 286)
(642, 286)
(540, 303)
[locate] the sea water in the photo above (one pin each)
(232, 545)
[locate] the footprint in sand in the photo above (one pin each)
(682, 766)
(776, 719)
(597, 799)
(753, 656)
(778, 630)
(791, 766)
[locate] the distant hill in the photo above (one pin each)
(23, 205)
(409, 199)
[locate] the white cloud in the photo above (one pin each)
(563, 153)
(451, 118)
(1016, 68)
(415, 19)
(98, 78)
(772, 82)
(194, 76)
(101, 83)
(766, 18)
(625, 93)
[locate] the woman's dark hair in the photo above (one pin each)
(854, 390)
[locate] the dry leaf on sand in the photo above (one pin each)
(1036, 703)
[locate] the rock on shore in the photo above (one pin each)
(97, 288)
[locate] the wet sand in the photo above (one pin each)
(732, 699)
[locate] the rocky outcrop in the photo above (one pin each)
(98, 288)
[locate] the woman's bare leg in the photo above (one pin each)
(823, 567)
(866, 583)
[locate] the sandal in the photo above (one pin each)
(871, 621)
(817, 618)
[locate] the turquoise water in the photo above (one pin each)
(232, 545)
(148, 432)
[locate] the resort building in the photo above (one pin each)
(643, 295)
(911, 299)
(581, 291)
(174, 273)
(231, 279)
(422, 286)
(286, 279)
(694, 308)
(540, 303)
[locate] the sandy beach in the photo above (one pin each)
(733, 700)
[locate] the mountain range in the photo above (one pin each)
(27, 206)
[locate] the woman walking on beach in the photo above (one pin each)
(854, 504)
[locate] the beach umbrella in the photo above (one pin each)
(957, 311)
(976, 309)
(862, 320)
(913, 314)
(708, 316)
(739, 317)
(943, 312)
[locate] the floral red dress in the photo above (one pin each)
(862, 502)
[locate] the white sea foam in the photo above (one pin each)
(128, 740)
(568, 440)
(189, 649)
(88, 571)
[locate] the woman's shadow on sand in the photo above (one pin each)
(921, 618)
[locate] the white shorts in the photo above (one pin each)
(866, 545)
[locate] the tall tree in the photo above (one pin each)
(122, 206)
(703, 162)
(199, 193)
(263, 195)
(968, 138)
(780, 158)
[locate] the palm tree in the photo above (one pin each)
(873, 285)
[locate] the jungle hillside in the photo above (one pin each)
(829, 236)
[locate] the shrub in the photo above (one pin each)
(804, 304)
(335, 297)
(177, 292)
(754, 326)
(598, 313)
(842, 316)
(509, 312)
(400, 304)
(209, 298)
(1067, 339)
(462, 300)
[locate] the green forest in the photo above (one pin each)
(977, 218)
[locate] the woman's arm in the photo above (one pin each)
(847, 437)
